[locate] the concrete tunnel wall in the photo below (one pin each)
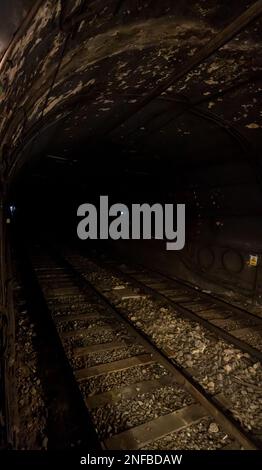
(70, 73)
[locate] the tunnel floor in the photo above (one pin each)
(116, 355)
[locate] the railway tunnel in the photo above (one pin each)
(144, 102)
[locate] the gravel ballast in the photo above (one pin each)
(216, 364)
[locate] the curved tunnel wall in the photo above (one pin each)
(76, 71)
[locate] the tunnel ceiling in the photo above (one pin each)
(107, 83)
(12, 14)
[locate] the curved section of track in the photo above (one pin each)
(138, 395)
(235, 325)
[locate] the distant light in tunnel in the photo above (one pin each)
(12, 209)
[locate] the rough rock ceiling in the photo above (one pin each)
(12, 14)
(82, 68)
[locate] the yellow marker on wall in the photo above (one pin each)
(253, 260)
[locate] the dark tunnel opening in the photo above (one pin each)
(215, 177)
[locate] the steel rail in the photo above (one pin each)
(186, 312)
(221, 302)
(212, 406)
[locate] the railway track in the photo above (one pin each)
(234, 324)
(138, 395)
